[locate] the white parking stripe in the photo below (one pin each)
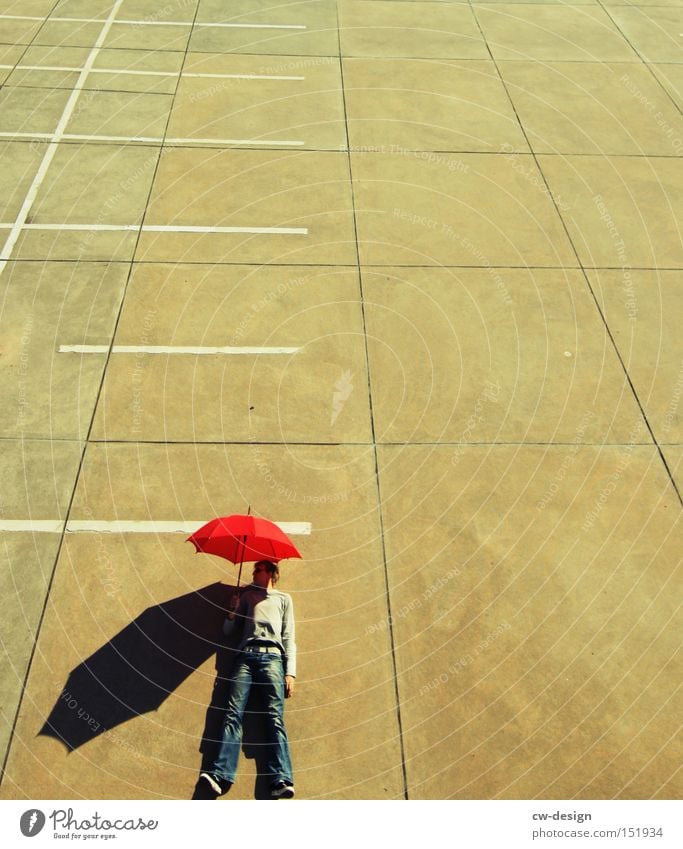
(148, 139)
(138, 23)
(151, 73)
(53, 147)
(162, 228)
(38, 526)
(78, 526)
(238, 76)
(252, 26)
(172, 349)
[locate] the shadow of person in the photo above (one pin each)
(254, 734)
(140, 667)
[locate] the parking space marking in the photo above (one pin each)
(175, 349)
(152, 73)
(147, 139)
(78, 526)
(238, 76)
(144, 23)
(251, 26)
(162, 228)
(53, 146)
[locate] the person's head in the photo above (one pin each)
(265, 573)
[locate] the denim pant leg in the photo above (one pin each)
(225, 762)
(271, 681)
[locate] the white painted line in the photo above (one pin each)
(38, 526)
(252, 26)
(77, 526)
(236, 141)
(152, 23)
(77, 227)
(162, 228)
(237, 76)
(287, 142)
(172, 349)
(80, 137)
(53, 147)
(148, 139)
(168, 228)
(94, 70)
(151, 73)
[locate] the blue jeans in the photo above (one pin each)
(266, 672)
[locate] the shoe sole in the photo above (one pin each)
(213, 784)
(285, 793)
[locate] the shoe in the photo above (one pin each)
(282, 790)
(218, 785)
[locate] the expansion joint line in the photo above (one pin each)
(390, 620)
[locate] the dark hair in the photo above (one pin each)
(272, 568)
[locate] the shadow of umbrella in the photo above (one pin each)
(138, 669)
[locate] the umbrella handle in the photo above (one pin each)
(244, 545)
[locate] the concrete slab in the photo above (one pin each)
(671, 78)
(46, 304)
(158, 37)
(245, 188)
(17, 31)
(122, 175)
(137, 61)
(22, 160)
(26, 561)
(642, 310)
(9, 56)
(624, 210)
(139, 10)
(673, 454)
(38, 479)
(34, 8)
(318, 394)
(640, 3)
(299, 28)
(31, 110)
(125, 36)
(116, 113)
(428, 105)
(531, 595)
(149, 10)
(590, 107)
(105, 582)
(68, 34)
(308, 110)
(467, 209)
(541, 2)
(505, 355)
(417, 30)
(654, 32)
(554, 33)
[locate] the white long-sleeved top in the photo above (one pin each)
(267, 617)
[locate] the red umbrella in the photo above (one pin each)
(241, 538)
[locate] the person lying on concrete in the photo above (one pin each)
(263, 617)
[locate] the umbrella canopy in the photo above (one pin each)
(240, 539)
